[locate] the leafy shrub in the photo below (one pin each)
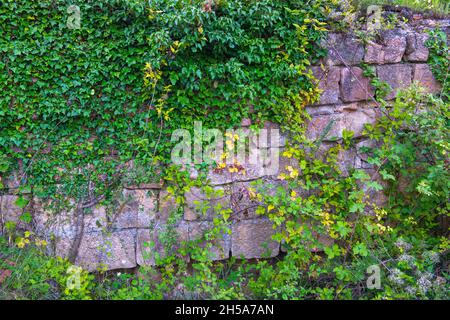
(35, 275)
(440, 59)
(222, 62)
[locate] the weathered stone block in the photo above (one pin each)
(343, 49)
(416, 51)
(253, 239)
(269, 159)
(349, 117)
(220, 246)
(346, 159)
(101, 251)
(52, 222)
(200, 205)
(242, 201)
(285, 162)
(328, 83)
(167, 206)
(11, 181)
(95, 219)
(144, 250)
(9, 211)
(391, 49)
(160, 241)
(248, 172)
(237, 198)
(136, 209)
(316, 111)
(397, 76)
(354, 86)
(423, 75)
(246, 122)
(274, 138)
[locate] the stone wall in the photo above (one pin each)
(117, 237)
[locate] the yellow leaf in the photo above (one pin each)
(233, 170)
(294, 173)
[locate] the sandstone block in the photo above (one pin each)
(253, 239)
(9, 211)
(315, 111)
(160, 241)
(328, 83)
(220, 245)
(63, 223)
(423, 75)
(349, 117)
(273, 138)
(203, 204)
(167, 206)
(285, 162)
(246, 122)
(354, 86)
(242, 201)
(397, 76)
(246, 172)
(136, 209)
(416, 51)
(390, 50)
(343, 47)
(102, 251)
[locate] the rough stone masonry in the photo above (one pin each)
(117, 239)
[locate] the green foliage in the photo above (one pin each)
(71, 108)
(413, 157)
(321, 210)
(34, 275)
(78, 117)
(439, 59)
(441, 7)
(233, 60)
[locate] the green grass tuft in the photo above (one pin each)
(441, 7)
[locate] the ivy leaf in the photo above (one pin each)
(21, 202)
(173, 78)
(26, 217)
